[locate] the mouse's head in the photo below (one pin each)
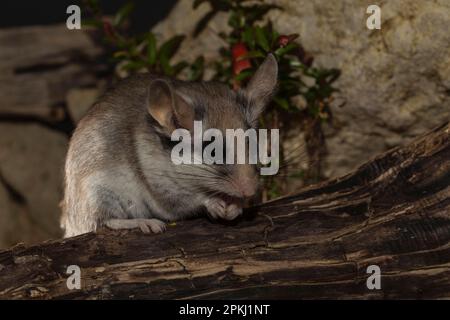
(185, 105)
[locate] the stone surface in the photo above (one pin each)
(79, 101)
(395, 81)
(44, 71)
(31, 167)
(39, 65)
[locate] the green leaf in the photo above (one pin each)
(325, 91)
(133, 66)
(252, 54)
(151, 49)
(123, 13)
(165, 65)
(248, 37)
(120, 54)
(197, 69)
(170, 47)
(282, 102)
(315, 73)
(311, 95)
(177, 68)
(243, 75)
(282, 51)
(274, 37)
(261, 39)
(333, 74)
(295, 63)
(234, 20)
(291, 84)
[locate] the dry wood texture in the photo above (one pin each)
(393, 212)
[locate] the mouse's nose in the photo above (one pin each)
(245, 180)
(247, 186)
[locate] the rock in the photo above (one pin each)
(79, 101)
(395, 81)
(10, 213)
(44, 71)
(31, 172)
(38, 66)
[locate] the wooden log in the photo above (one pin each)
(393, 212)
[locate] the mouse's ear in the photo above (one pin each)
(261, 87)
(168, 108)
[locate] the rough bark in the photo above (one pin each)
(393, 212)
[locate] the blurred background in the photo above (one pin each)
(347, 93)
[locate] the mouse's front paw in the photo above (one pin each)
(146, 225)
(233, 211)
(218, 208)
(151, 225)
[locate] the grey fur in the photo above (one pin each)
(118, 166)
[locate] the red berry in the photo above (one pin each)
(239, 66)
(283, 41)
(108, 29)
(238, 51)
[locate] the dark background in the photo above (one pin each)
(15, 13)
